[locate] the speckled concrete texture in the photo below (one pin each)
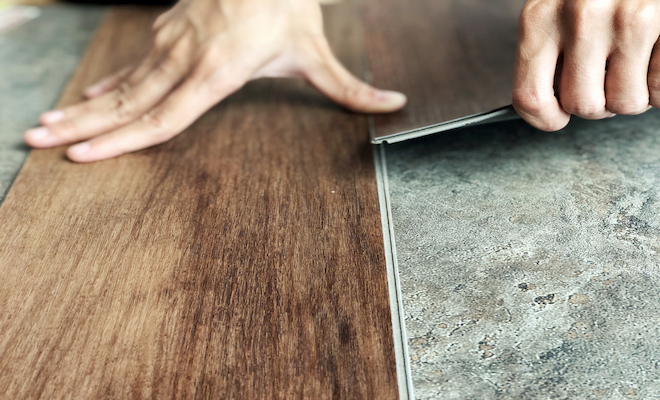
(529, 261)
(36, 60)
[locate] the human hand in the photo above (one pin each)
(203, 51)
(609, 65)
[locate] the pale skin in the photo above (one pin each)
(204, 50)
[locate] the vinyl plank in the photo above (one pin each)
(452, 58)
(242, 259)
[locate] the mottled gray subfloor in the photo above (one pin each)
(36, 60)
(529, 261)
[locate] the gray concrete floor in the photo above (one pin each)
(529, 261)
(36, 60)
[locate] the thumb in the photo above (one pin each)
(329, 76)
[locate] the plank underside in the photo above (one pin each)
(242, 259)
(452, 58)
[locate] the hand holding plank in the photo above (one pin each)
(610, 64)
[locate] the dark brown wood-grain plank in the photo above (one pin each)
(243, 259)
(452, 58)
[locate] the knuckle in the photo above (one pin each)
(221, 81)
(636, 18)
(533, 107)
(213, 62)
(584, 13)
(207, 67)
(628, 106)
(158, 23)
(553, 126)
(123, 109)
(170, 66)
(222, 88)
(216, 61)
(584, 10)
(584, 107)
(163, 18)
(212, 55)
(78, 109)
(65, 129)
(357, 93)
(529, 102)
(160, 126)
(232, 85)
(536, 12)
(548, 125)
(123, 88)
(182, 47)
(536, 16)
(161, 39)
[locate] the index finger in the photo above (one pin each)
(534, 75)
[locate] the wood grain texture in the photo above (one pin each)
(243, 259)
(452, 58)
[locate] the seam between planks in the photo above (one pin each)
(401, 353)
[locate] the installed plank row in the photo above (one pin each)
(243, 259)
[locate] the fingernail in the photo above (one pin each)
(79, 149)
(51, 117)
(37, 133)
(391, 97)
(612, 116)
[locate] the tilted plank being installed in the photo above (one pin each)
(452, 58)
(243, 259)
